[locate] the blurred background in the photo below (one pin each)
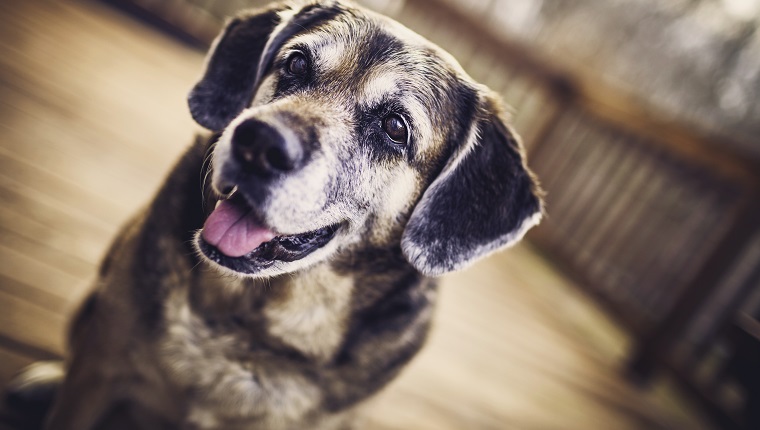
(634, 305)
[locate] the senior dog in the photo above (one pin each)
(351, 160)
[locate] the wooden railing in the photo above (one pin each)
(656, 220)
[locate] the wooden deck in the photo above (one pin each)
(92, 115)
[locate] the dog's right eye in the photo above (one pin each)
(297, 64)
(395, 127)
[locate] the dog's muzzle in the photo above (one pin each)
(234, 234)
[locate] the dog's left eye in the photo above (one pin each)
(297, 64)
(395, 127)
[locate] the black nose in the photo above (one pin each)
(261, 149)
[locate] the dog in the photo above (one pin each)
(351, 162)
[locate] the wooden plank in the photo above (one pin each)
(59, 228)
(599, 192)
(563, 141)
(27, 269)
(87, 249)
(608, 231)
(74, 154)
(73, 266)
(31, 329)
(532, 115)
(108, 206)
(575, 189)
(41, 297)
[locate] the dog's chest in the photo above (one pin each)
(312, 316)
(224, 340)
(308, 313)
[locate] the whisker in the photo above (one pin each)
(206, 171)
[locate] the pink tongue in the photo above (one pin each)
(232, 232)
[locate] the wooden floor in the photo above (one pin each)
(92, 114)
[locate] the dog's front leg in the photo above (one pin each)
(83, 399)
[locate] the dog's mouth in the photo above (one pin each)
(234, 237)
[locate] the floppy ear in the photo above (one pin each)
(484, 199)
(241, 55)
(228, 83)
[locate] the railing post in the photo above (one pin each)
(653, 348)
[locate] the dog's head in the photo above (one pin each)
(339, 127)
